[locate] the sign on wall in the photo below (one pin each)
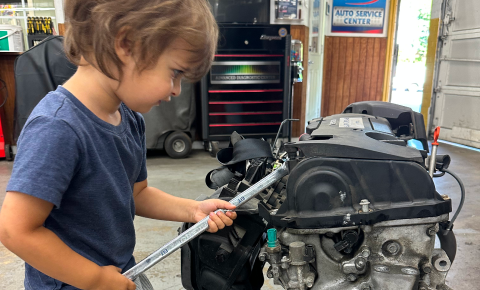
(358, 18)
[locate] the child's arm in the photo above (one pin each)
(156, 204)
(22, 232)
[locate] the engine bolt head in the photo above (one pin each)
(309, 282)
(366, 253)
(269, 274)
(360, 263)
(432, 231)
(352, 277)
(393, 248)
(427, 268)
(364, 204)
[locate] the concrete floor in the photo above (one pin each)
(185, 178)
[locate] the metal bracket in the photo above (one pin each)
(449, 18)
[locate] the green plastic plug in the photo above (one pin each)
(272, 238)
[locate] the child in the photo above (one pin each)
(79, 177)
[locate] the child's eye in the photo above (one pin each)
(177, 73)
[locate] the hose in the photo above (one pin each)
(445, 235)
(462, 200)
(448, 243)
(439, 174)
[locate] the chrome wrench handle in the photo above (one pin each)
(202, 225)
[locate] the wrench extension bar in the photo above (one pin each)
(202, 225)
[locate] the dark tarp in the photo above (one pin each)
(38, 71)
(44, 67)
(176, 115)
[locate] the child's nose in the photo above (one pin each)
(177, 88)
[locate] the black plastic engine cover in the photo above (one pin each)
(355, 136)
(403, 120)
(321, 192)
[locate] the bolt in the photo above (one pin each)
(352, 277)
(427, 268)
(309, 282)
(285, 262)
(269, 274)
(261, 257)
(393, 248)
(360, 263)
(432, 231)
(366, 253)
(423, 286)
(364, 203)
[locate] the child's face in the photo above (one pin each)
(140, 91)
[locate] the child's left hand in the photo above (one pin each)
(217, 221)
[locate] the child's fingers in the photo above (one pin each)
(224, 204)
(229, 206)
(225, 219)
(215, 218)
(231, 214)
(131, 286)
(212, 226)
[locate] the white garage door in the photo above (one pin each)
(456, 102)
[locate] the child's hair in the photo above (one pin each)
(150, 25)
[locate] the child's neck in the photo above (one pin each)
(95, 91)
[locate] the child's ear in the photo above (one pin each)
(123, 45)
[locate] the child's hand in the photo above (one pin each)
(110, 277)
(217, 221)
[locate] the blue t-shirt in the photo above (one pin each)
(87, 168)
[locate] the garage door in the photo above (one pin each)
(456, 101)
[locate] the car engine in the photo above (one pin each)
(357, 211)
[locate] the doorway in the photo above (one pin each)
(409, 69)
(315, 59)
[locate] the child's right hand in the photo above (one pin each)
(110, 278)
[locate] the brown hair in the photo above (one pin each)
(150, 25)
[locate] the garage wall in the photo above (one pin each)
(353, 71)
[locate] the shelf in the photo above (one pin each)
(19, 17)
(245, 124)
(2, 53)
(27, 9)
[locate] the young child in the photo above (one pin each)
(80, 176)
